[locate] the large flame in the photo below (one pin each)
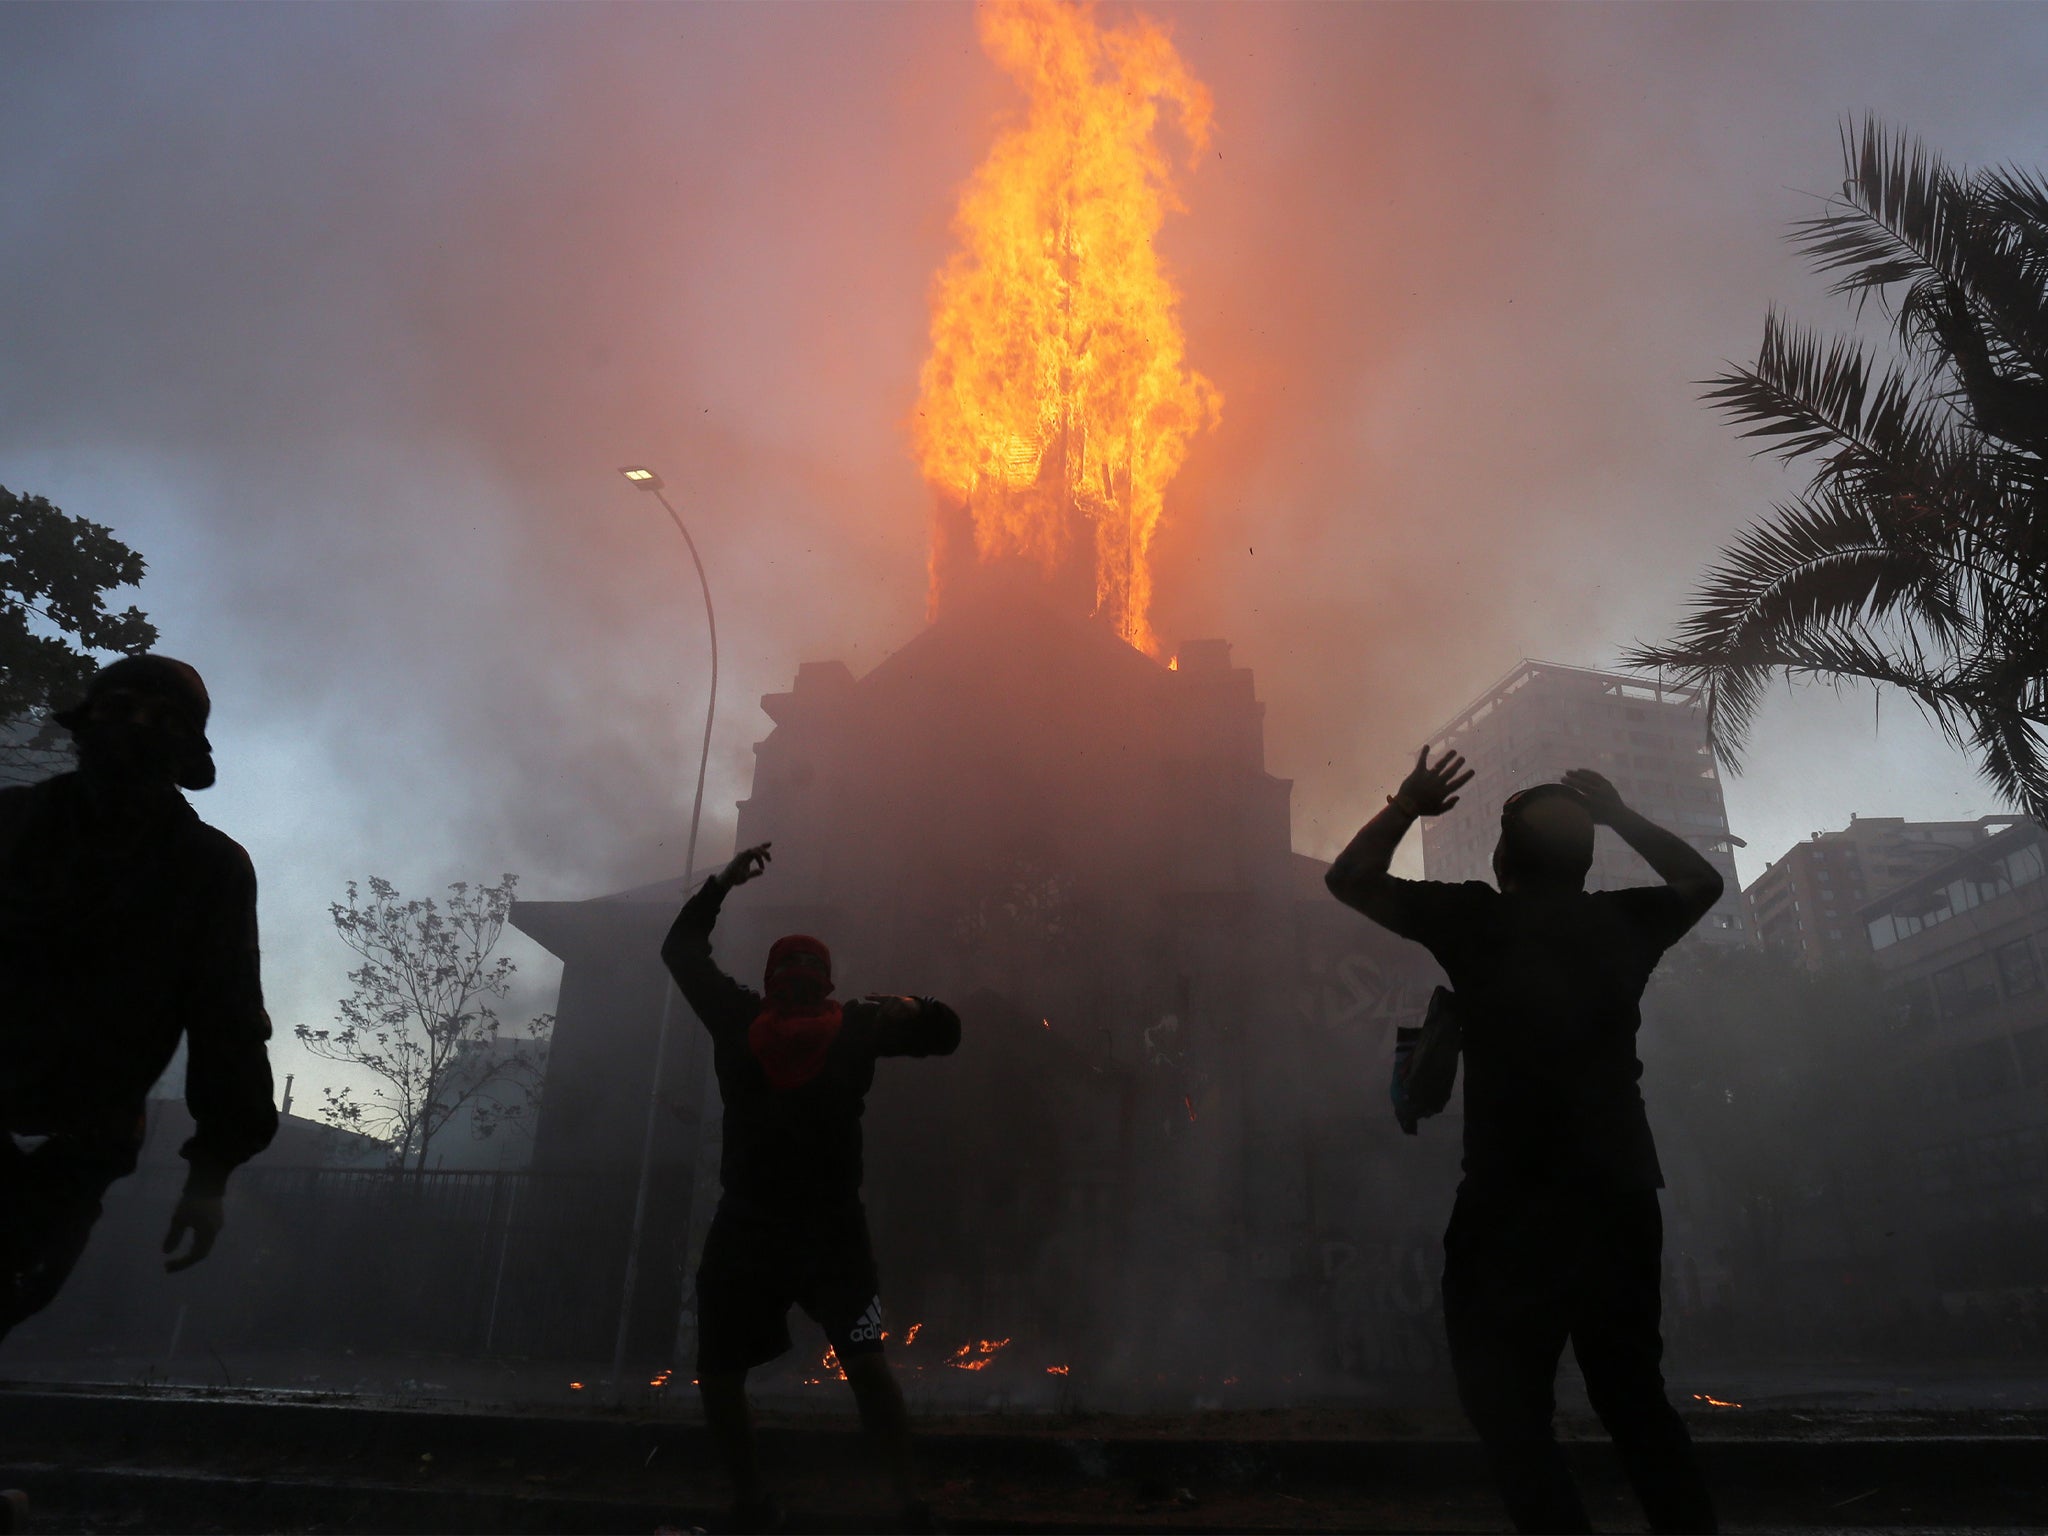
(1057, 403)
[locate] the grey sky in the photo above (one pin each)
(344, 315)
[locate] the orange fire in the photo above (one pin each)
(1713, 1402)
(977, 1356)
(1057, 402)
(910, 1338)
(1056, 1370)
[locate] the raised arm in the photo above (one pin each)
(713, 996)
(1359, 876)
(916, 1026)
(1683, 868)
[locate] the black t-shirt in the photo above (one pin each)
(1549, 988)
(121, 927)
(794, 1151)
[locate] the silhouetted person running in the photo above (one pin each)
(794, 1069)
(1556, 1233)
(125, 922)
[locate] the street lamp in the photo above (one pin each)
(647, 480)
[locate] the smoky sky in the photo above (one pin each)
(345, 315)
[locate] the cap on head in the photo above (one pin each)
(172, 683)
(1546, 838)
(799, 970)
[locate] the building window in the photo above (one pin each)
(1965, 988)
(1985, 1069)
(2016, 968)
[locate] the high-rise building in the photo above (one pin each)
(1806, 900)
(1649, 738)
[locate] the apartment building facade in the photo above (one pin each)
(1806, 901)
(1648, 737)
(1963, 949)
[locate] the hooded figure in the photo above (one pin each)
(798, 1020)
(126, 924)
(794, 1068)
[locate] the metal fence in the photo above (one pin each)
(370, 1261)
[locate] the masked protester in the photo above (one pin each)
(1556, 1233)
(125, 923)
(794, 1068)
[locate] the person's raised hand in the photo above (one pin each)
(1432, 788)
(746, 864)
(1601, 797)
(203, 1217)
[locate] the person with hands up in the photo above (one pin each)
(1556, 1234)
(794, 1068)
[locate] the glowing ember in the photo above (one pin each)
(1190, 1103)
(830, 1364)
(1713, 1402)
(1046, 1022)
(1056, 403)
(1056, 1370)
(977, 1356)
(575, 1386)
(910, 1338)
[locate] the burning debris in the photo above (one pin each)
(977, 1356)
(1056, 402)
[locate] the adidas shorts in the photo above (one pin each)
(755, 1269)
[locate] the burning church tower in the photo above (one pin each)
(1166, 1129)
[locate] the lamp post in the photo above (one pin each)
(647, 480)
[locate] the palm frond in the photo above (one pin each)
(1812, 395)
(1918, 558)
(1894, 219)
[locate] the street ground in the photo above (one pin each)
(1815, 1448)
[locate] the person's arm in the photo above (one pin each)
(916, 1026)
(1694, 882)
(712, 995)
(228, 1086)
(1359, 876)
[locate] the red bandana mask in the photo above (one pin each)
(798, 1020)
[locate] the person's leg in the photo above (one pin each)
(742, 1310)
(1506, 1329)
(886, 1419)
(843, 1294)
(1616, 1336)
(731, 1427)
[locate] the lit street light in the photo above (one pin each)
(647, 480)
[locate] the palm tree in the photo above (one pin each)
(1918, 555)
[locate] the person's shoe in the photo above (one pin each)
(751, 1516)
(916, 1519)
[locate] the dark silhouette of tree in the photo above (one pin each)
(1918, 555)
(419, 1019)
(55, 572)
